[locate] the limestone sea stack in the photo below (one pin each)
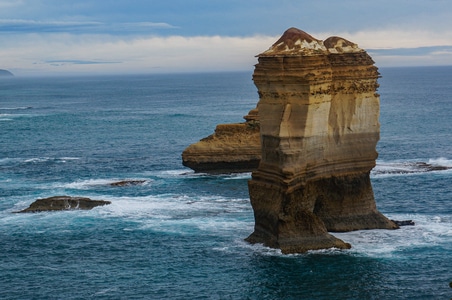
(232, 148)
(318, 111)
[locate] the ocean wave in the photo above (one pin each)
(95, 183)
(172, 204)
(16, 108)
(11, 117)
(428, 231)
(9, 161)
(37, 160)
(394, 168)
(220, 216)
(188, 173)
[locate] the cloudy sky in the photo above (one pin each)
(162, 36)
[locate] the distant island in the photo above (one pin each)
(5, 73)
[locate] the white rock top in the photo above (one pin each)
(337, 44)
(297, 42)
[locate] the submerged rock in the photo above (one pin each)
(318, 113)
(63, 203)
(404, 222)
(127, 182)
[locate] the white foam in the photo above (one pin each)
(441, 161)
(16, 108)
(68, 158)
(173, 173)
(409, 167)
(11, 117)
(239, 176)
(49, 159)
(84, 184)
(428, 231)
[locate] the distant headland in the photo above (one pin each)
(5, 73)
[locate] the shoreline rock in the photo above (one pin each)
(59, 203)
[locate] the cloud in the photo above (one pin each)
(395, 38)
(78, 27)
(419, 51)
(62, 62)
(62, 53)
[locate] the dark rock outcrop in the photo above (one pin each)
(404, 222)
(63, 203)
(318, 113)
(127, 182)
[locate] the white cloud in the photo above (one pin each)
(64, 53)
(24, 26)
(388, 39)
(38, 54)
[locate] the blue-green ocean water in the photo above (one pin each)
(181, 235)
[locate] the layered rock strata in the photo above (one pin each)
(318, 111)
(232, 148)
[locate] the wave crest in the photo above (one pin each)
(411, 167)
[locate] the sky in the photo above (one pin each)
(55, 37)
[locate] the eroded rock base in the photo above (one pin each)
(299, 219)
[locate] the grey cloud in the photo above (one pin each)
(60, 62)
(410, 51)
(78, 27)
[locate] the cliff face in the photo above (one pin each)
(318, 112)
(232, 148)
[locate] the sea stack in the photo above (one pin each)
(318, 113)
(232, 148)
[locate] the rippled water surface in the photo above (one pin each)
(180, 235)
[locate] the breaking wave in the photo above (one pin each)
(394, 168)
(16, 108)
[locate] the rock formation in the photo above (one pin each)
(318, 112)
(232, 148)
(63, 203)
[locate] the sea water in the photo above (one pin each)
(180, 235)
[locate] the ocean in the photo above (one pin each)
(179, 234)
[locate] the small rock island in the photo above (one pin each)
(58, 203)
